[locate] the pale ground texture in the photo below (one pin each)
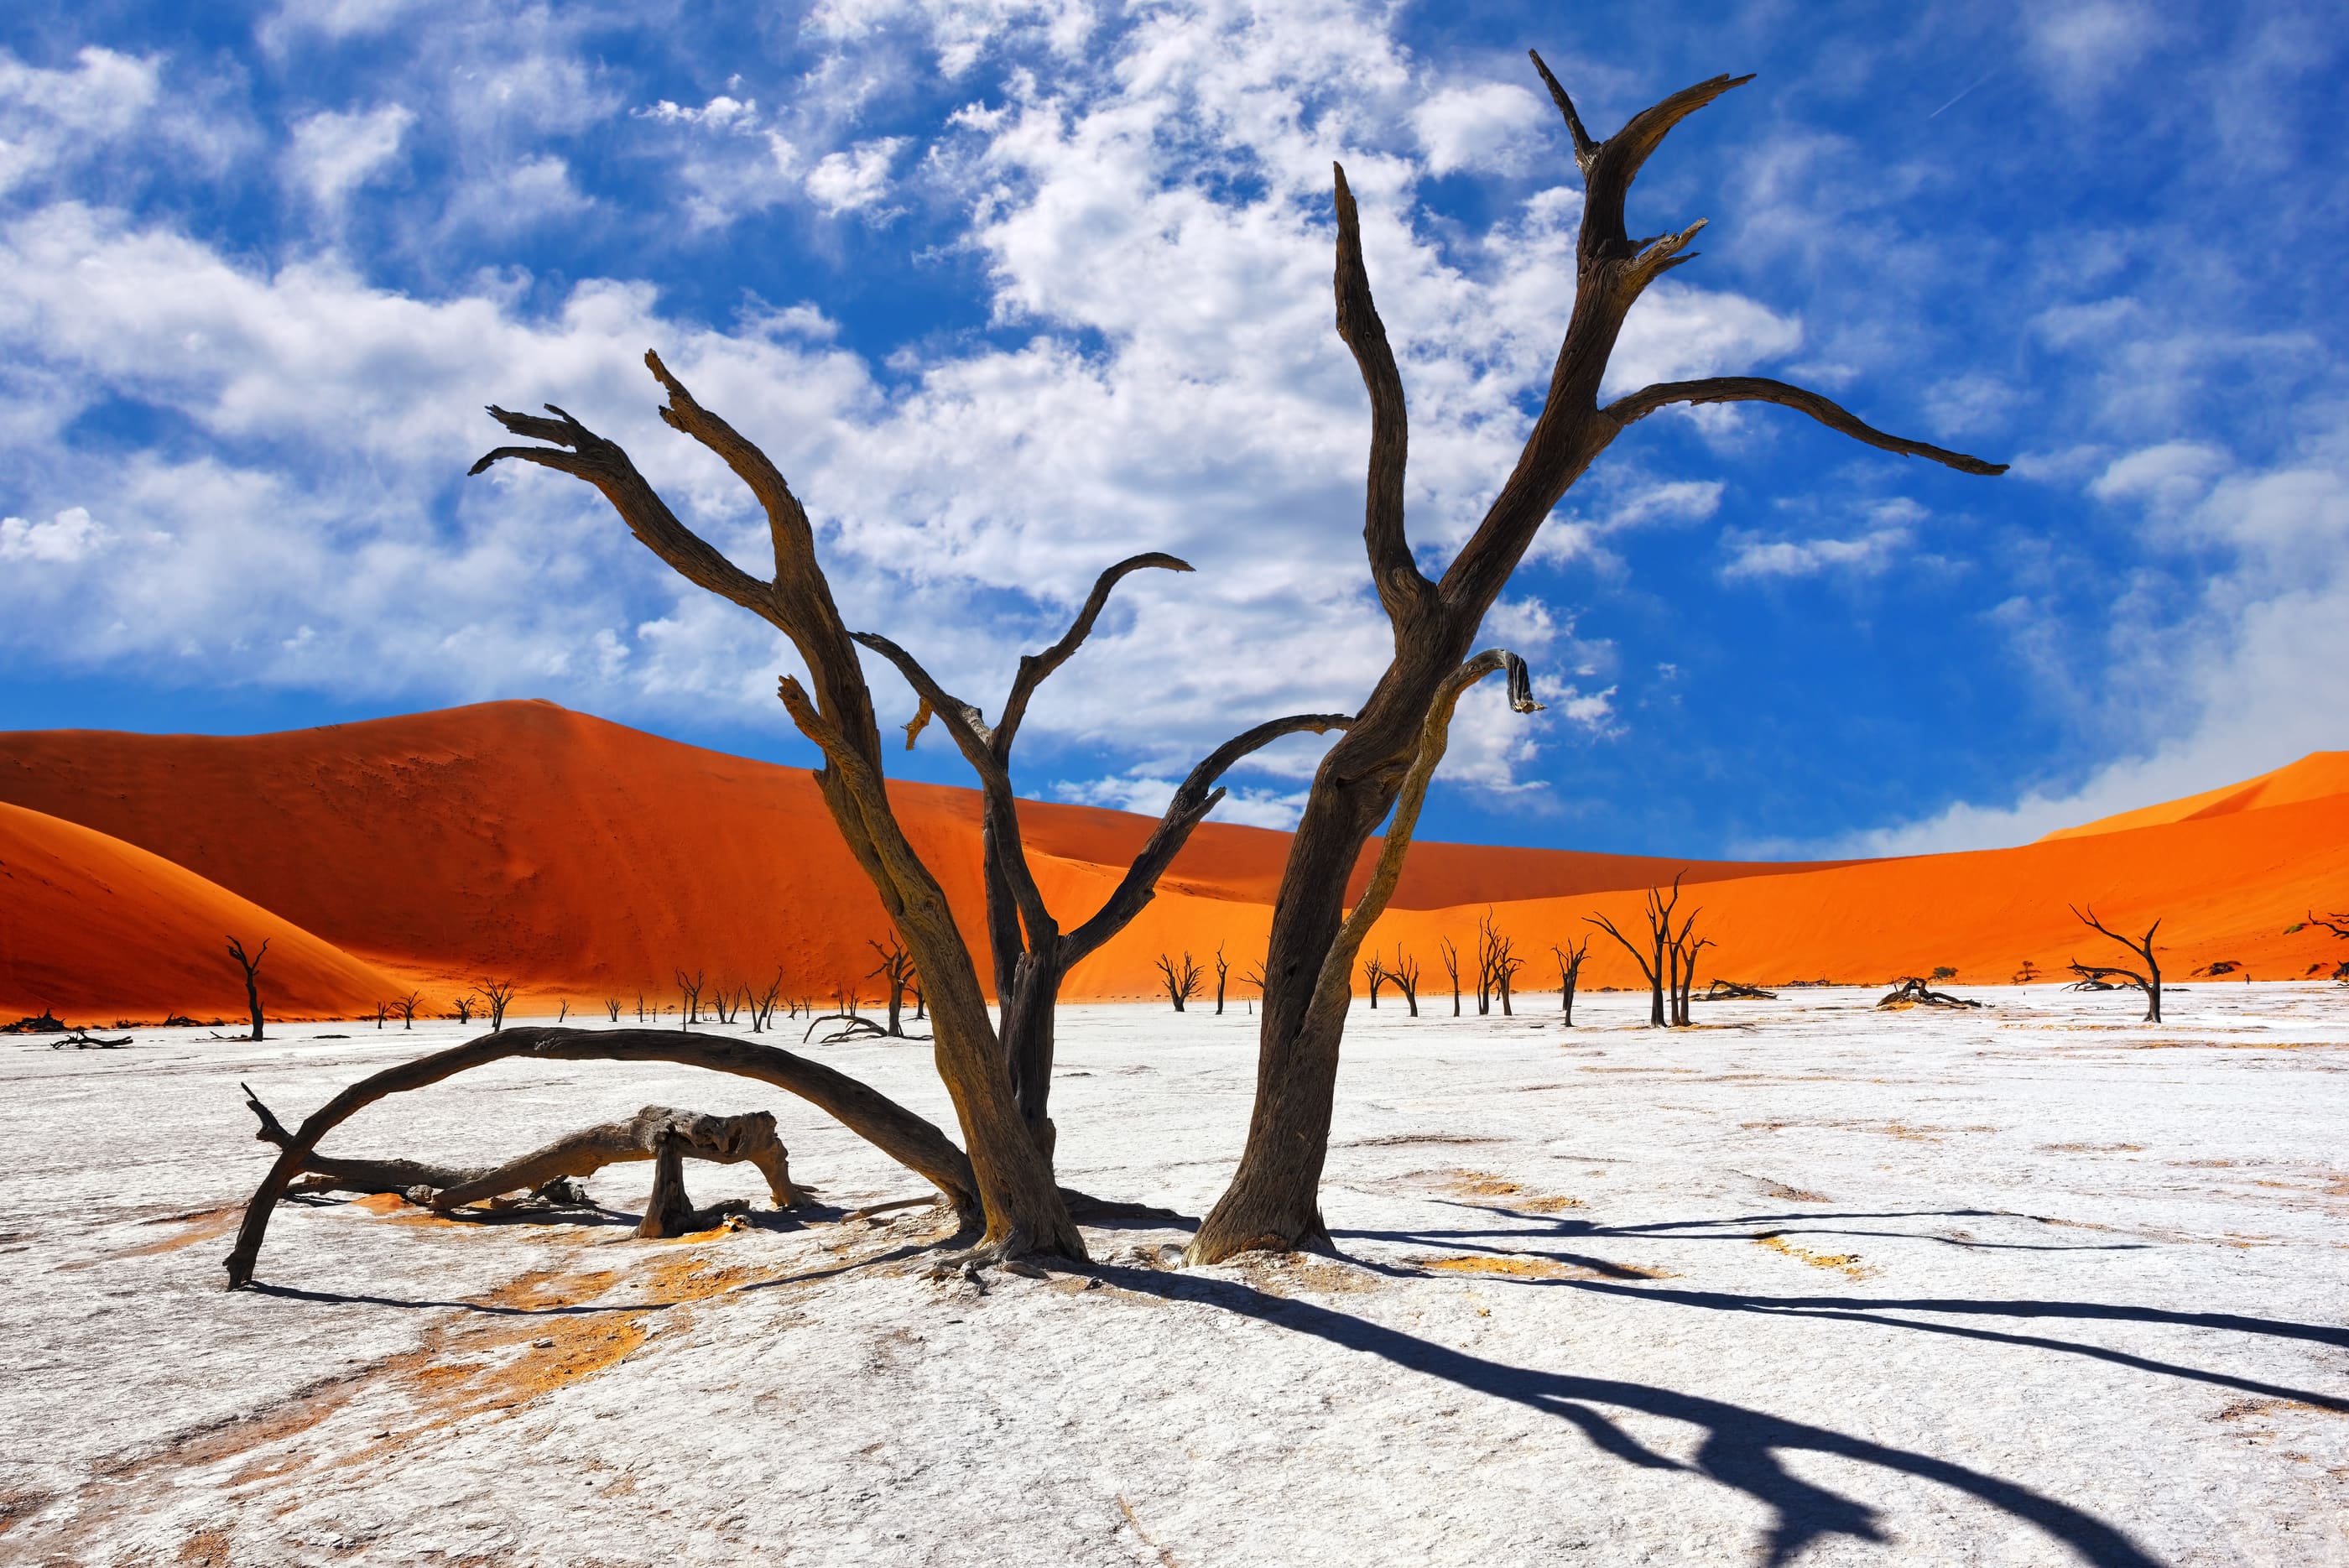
(2039, 1284)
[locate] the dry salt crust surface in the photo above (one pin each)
(1810, 1282)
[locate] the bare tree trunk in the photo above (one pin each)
(251, 967)
(2148, 981)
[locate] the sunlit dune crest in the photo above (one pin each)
(586, 860)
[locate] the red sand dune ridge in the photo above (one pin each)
(586, 859)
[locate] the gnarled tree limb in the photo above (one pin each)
(1638, 405)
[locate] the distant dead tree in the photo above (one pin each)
(1570, 974)
(1486, 939)
(1222, 971)
(1181, 980)
(762, 1008)
(251, 964)
(725, 1004)
(2338, 924)
(2026, 975)
(1504, 964)
(1658, 912)
(497, 996)
(896, 972)
(1736, 991)
(1450, 956)
(640, 1007)
(382, 1014)
(562, 1010)
(1374, 975)
(1681, 961)
(1404, 972)
(406, 1007)
(2115, 977)
(1917, 991)
(612, 1009)
(1255, 977)
(688, 998)
(464, 1006)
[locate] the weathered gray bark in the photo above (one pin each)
(1272, 1200)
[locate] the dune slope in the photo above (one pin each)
(91, 927)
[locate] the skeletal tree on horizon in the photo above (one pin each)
(251, 967)
(1404, 972)
(762, 1006)
(1031, 954)
(464, 1006)
(1450, 956)
(1684, 948)
(1222, 969)
(688, 998)
(406, 1007)
(382, 1014)
(1570, 974)
(1181, 980)
(2109, 977)
(497, 994)
(1273, 1200)
(1658, 912)
(612, 1009)
(896, 972)
(1374, 975)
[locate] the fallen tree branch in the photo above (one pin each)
(881, 1121)
(1914, 992)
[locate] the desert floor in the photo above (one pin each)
(1812, 1283)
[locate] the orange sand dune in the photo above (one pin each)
(92, 929)
(521, 840)
(2315, 776)
(586, 860)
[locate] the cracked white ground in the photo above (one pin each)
(1812, 1283)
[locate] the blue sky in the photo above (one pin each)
(1013, 290)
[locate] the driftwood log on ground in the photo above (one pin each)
(881, 1121)
(655, 1133)
(1733, 990)
(1915, 993)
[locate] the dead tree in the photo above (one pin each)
(1917, 991)
(1404, 972)
(655, 1133)
(251, 967)
(897, 1132)
(1505, 967)
(612, 1009)
(1222, 969)
(688, 998)
(1273, 1199)
(762, 1007)
(2111, 976)
(1450, 956)
(2338, 924)
(1032, 955)
(1681, 963)
(562, 1010)
(640, 1008)
(497, 994)
(1736, 991)
(1487, 943)
(464, 1006)
(1181, 980)
(406, 1007)
(2026, 975)
(382, 1014)
(895, 970)
(1374, 975)
(1652, 961)
(1570, 975)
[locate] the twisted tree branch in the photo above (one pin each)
(1762, 390)
(1401, 587)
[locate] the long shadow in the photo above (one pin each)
(1805, 1223)
(1740, 1447)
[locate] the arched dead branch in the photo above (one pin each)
(1914, 992)
(871, 1115)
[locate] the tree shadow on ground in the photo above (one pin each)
(1741, 1448)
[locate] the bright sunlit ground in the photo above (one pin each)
(2034, 1285)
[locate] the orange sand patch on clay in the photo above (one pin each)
(199, 1227)
(98, 928)
(1845, 1263)
(1520, 1268)
(434, 848)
